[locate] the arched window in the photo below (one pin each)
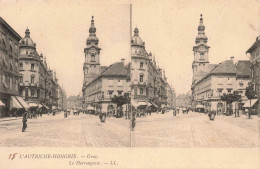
(201, 56)
(92, 58)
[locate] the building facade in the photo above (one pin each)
(62, 101)
(171, 97)
(9, 72)
(211, 81)
(74, 102)
(254, 52)
(148, 84)
(38, 83)
(183, 101)
(101, 83)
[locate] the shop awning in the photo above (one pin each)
(90, 108)
(14, 103)
(253, 101)
(33, 105)
(1, 103)
(199, 106)
(22, 102)
(142, 104)
(153, 104)
(149, 104)
(134, 103)
(45, 106)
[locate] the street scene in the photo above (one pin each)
(116, 81)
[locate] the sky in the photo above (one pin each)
(60, 29)
(169, 28)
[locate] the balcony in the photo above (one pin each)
(140, 97)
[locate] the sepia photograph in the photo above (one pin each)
(120, 79)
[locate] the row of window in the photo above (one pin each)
(32, 79)
(12, 82)
(111, 82)
(3, 43)
(21, 66)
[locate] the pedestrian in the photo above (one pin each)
(25, 116)
(133, 120)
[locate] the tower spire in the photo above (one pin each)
(92, 33)
(201, 33)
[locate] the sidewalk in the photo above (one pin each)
(10, 118)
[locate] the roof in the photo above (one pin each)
(212, 66)
(226, 67)
(103, 68)
(9, 28)
(243, 68)
(116, 69)
(254, 45)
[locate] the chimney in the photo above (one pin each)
(123, 61)
(232, 59)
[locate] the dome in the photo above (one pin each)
(136, 40)
(27, 41)
(202, 36)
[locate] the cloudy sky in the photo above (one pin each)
(169, 28)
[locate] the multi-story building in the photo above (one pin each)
(101, 83)
(171, 97)
(210, 81)
(254, 52)
(62, 99)
(74, 102)
(9, 72)
(148, 82)
(38, 84)
(183, 100)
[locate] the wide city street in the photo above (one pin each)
(57, 131)
(157, 130)
(195, 130)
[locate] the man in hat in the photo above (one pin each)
(25, 116)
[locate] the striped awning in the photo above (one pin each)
(33, 105)
(22, 102)
(1, 103)
(253, 101)
(14, 103)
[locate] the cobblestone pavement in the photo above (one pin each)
(195, 130)
(57, 131)
(158, 130)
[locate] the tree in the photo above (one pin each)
(121, 100)
(230, 98)
(250, 94)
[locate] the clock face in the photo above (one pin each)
(201, 48)
(92, 50)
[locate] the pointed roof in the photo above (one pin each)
(201, 33)
(92, 33)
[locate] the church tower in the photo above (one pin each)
(201, 59)
(91, 66)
